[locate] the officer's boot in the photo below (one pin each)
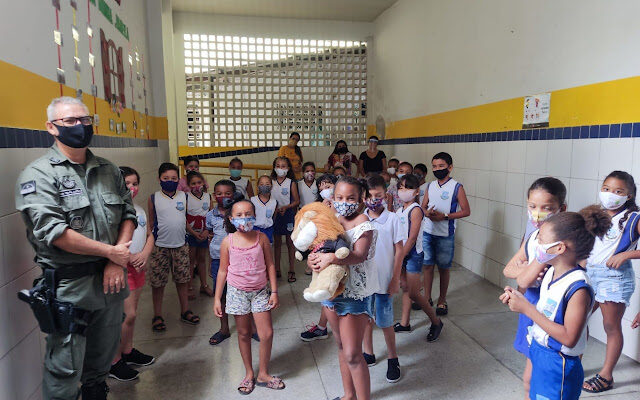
(95, 392)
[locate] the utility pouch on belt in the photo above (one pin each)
(54, 316)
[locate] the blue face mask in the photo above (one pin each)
(169, 186)
(77, 136)
(243, 224)
(235, 173)
(345, 209)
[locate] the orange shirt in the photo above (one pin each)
(296, 161)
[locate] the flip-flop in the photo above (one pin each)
(442, 309)
(188, 317)
(291, 277)
(218, 338)
(248, 385)
(160, 327)
(275, 383)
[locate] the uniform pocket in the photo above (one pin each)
(113, 206)
(60, 360)
(77, 209)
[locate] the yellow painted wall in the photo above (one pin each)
(25, 97)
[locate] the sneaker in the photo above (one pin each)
(122, 372)
(370, 359)
(399, 328)
(393, 370)
(138, 358)
(434, 332)
(314, 333)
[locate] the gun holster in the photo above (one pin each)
(53, 315)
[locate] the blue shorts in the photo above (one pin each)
(412, 263)
(346, 305)
(193, 242)
(521, 343)
(614, 285)
(283, 224)
(215, 266)
(267, 231)
(383, 308)
(438, 250)
(555, 376)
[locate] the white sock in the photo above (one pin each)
(321, 327)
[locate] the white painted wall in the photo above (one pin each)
(433, 56)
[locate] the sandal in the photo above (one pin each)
(188, 317)
(291, 277)
(205, 289)
(246, 386)
(442, 309)
(160, 326)
(275, 383)
(218, 338)
(597, 384)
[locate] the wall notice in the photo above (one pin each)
(536, 111)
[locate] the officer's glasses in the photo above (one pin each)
(71, 121)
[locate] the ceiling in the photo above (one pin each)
(342, 10)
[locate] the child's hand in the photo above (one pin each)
(274, 302)
(138, 260)
(617, 260)
(394, 286)
(504, 298)
(281, 210)
(541, 274)
(636, 321)
(217, 308)
(204, 235)
(516, 300)
(435, 216)
(319, 261)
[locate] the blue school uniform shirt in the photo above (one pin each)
(215, 223)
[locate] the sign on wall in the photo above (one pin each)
(536, 111)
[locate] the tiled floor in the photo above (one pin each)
(472, 360)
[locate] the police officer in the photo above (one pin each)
(80, 219)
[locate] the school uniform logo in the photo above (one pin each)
(612, 233)
(205, 206)
(142, 221)
(444, 195)
(180, 206)
(549, 308)
(285, 191)
(269, 213)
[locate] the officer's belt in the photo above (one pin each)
(77, 271)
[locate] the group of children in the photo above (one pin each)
(399, 227)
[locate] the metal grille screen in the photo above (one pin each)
(245, 91)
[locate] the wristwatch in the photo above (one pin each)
(446, 217)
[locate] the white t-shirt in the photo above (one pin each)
(389, 233)
(264, 212)
(281, 192)
(197, 209)
(404, 216)
(307, 194)
(241, 186)
(139, 238)
(170, 219)
(445, 199)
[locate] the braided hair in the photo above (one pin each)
(630, 205)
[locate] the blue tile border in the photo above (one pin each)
(12, 138)
(231, 153)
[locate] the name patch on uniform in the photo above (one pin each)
(72, 192)
(28, 187)
(76, 223)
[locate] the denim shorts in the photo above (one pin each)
(438, 250)
(383, 307)
(413, 262)
(346, 305)
(614, 285)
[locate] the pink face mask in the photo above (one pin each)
(406, 195)
(134, 191)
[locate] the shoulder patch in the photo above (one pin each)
(27, 187)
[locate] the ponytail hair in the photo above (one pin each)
(630, 205)
(580, 228)
(359, 183)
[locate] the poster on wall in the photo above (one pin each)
(536, 111)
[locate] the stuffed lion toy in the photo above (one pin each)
(317, 230)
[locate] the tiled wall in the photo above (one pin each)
(496, 175)
(21, 344)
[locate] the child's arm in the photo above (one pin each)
(150, 213)
(139, 260)
(636, 321)
(390, 202)
(464, 211)
(190, 230)
(416, 226)
(296, 197)
(425, 202)
(249, 189)
(222, 277)
(617, 260)
(575, 317)
(531, 274)
(360, 252)
(517, 265)
(394, 285)
(274, 301)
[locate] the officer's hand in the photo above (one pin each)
(119, 254)
(113, 278)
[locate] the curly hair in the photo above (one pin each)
(580, 228)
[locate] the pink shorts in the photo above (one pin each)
(135, 277)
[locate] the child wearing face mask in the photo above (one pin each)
(168, 216)
(141, 247)
(265, 207)
(247, 269)
(392, 169)
(307, 186)
(224, 191)
(545, 197)
(420, 171)
(243, 185)
(285, 192)
(558, 335)
(610, 271)
(198, 205)
(191, 163)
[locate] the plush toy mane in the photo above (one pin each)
(329, 227)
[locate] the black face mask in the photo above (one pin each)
(76, 136)
(441, 173)
(341, 150)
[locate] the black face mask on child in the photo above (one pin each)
(441, 173)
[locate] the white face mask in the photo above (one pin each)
(612, 201)
(281, 172)
(391, 171)
(401, 175)
(326, 194)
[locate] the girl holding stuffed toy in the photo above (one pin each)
(246, 266)
(349, 313)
